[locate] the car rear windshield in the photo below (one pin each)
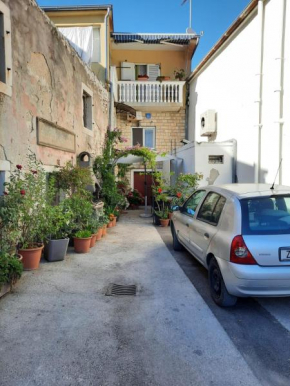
(266, 215)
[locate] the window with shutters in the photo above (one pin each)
(143, 136)
(132, 71)
(5, 51)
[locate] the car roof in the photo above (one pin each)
(249, 190)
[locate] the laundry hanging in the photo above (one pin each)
(81, 39)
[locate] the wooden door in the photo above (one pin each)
(139, 184)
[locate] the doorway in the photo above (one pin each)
(139, 184)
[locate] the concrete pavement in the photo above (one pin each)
(58, 327)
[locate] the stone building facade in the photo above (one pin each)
(50, 102)
(169, 128)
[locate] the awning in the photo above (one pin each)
(180, 39)
(123, 108)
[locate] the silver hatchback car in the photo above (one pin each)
(241, 234)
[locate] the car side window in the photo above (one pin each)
(211, 208)
(192, 203)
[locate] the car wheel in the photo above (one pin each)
(218, 289)
(177, 246)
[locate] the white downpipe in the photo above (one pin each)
(280, 83)
(261, 18)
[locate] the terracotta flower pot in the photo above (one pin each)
(104, 230)
(31, 257)
(110, 225)
(164, 222)
(82, 245)
(170, 214)
(93, 240)
(99, 234)
(115, 221)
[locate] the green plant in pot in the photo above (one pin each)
(58, 228)
(58, 225)
(10, 271)
(179, 74)
(82, 241)
(160, 191)
(94, 227)
(25, 195)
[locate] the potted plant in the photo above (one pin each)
(161, 194)
(162, 78)
(82, 241)
(94, 227)
(10, 271)
(179, 74)
(25, 196)
(163, 217)
(134, 198)
(58, 229)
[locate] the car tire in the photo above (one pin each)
(177, 246)
(218, 289)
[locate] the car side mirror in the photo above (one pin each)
(175, 208)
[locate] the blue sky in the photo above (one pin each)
(213, 17)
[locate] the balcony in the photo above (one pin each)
(166, 95)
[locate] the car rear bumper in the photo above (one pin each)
(254, 280)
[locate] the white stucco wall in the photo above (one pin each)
(229, 85)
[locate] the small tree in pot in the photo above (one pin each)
(25, 196)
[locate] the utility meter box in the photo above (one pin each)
(208, 123)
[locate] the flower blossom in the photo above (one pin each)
(34, 171)
(22, 192)
(159, 190)
(19, 167)
(5, 193)
(178, 194)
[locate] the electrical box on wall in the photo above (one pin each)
(208, 124)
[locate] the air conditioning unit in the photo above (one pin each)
(208, 124)
(138, 117)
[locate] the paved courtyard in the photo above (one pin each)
(59, 328)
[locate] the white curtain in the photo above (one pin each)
(81, 38)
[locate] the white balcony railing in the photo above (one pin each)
(142, 92)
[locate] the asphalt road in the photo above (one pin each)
(58, 327)
(259, 328)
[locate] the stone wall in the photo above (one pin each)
(48, 81)
(169, 128)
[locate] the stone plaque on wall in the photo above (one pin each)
(51, 135)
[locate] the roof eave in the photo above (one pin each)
(103, 7)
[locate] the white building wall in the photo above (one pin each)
(229, 84)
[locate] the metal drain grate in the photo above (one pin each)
(121, 290)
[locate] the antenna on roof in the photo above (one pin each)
(272, 187)
(189, 30)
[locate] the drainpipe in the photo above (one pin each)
(186, 134)
(111, 101)
(280, 82)
(261, 10)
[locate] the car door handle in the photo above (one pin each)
(206, 235)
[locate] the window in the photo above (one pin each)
(266, 215)
(5, 51)
(143, 136)
(211, 208)
(96, 46)
(2, 181)
(87, 108)
(2, 50)
(192, 203)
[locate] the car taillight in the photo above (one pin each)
(240, 253)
